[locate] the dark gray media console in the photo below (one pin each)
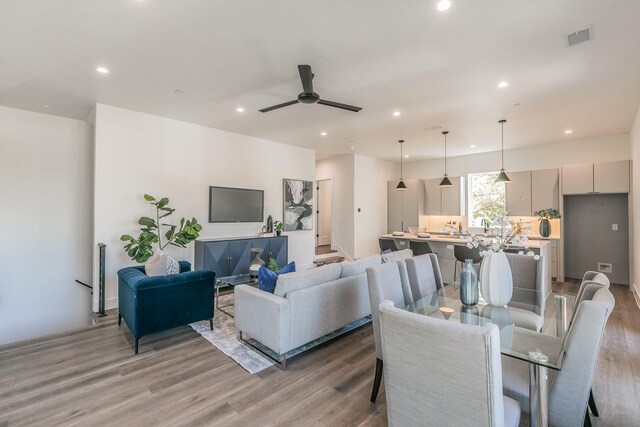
(230, 257)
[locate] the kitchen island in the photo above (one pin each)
(442, 245)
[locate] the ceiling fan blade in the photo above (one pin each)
(307, 78)
(338, 105)
(275, 107)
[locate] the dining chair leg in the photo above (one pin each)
(587, 420)
(592, 404)
(377, 380)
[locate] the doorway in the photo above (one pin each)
(596, 236)
(324, 216)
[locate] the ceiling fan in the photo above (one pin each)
(308, 96)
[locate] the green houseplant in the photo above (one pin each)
(278, 226)
(152, 231)
(545, 215)
(273, 265)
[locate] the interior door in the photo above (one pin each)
(324, 212)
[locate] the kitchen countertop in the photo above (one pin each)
(533, 242)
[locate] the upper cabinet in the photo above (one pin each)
(531, 191)
(544, 190)
(449, 201)
(609, 177)
(404, 207)
(518, 194)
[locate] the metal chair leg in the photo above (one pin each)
(377, 380)
(587, 420)
(283, 362)
(592, 404)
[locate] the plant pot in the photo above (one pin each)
(278, 232)
(545, 227)
(496, 282)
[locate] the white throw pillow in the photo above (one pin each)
(161, 264)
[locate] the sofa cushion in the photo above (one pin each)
(397, 255)
(351, 268)
(302, 279)
(267, 279)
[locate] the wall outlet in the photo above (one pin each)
(614, 227)
(604, 267)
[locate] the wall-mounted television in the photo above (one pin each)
(235, 205)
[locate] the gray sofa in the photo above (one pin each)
(305, 305)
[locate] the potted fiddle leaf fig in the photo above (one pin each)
(153, 231)
(545, 215)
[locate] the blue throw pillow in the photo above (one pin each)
(267, 279)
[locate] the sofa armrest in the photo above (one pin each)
(264, 316)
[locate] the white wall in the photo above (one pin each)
(46, 192)
(370, 196)
(543, 156)
(635, 173)
(341, 170)
(139, 153)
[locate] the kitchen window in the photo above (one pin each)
(486, 197)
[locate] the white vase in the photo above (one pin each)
(496, 282)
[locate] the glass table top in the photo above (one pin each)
(239, 279)
(532, 325)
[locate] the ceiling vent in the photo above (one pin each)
(580, 36)
(435, 127)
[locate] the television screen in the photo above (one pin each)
(235, 205)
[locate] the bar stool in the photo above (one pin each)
(387, 245)
(462, 253)
(420, 248)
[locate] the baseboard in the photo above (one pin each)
(636, 294)
(110, 303)
(341, 252)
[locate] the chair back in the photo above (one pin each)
(424, 275)
(528, 274)
(419, 247)
(440, 373)
(387, 245)
(596, 276)
(462, 253)
(385, 283)
(570, 390)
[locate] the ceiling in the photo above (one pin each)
(435, 68)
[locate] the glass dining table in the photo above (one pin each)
(532, 327)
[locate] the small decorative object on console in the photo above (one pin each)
(545, 215)
(468, 284)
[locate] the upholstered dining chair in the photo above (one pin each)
(424, 275)
(570, 387)
(442, 373)
(527, 273)
(385, 282)
(462, 253)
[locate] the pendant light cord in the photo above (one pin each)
(401, 174)
(445, 152)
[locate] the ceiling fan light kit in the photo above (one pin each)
(401, 185)
(308, 96)
(502, 177)
(446, 182)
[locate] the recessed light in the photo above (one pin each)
(102, 70)
(406, 155)
(323, 133)
(396, 113)
(568, 131)
(444, 5)
(472, 146)
(240, 110)
(351, 147)
(502, 85)
(46, 105)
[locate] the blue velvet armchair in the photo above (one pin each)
(154, 304)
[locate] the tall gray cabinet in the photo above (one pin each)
(404, 207)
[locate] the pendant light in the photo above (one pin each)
(446, 182)
(502, 178)
(401, 185)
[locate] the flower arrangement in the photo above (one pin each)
(505, 235)
(548, 213)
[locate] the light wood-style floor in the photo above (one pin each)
(92, 377)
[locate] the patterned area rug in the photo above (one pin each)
(225, 337)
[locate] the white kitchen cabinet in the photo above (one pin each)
(608, 177)
(448, 201)
(544, 190)
(611, 177)
(518, 194)
(577, 179)
(404, 207)
(453, 198)
(433, 197)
